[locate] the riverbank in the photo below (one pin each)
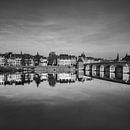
(54, 69)
(10, 69)
(38, 69)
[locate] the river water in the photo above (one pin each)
(64, 101)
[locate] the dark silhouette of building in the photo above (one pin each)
(126, 58)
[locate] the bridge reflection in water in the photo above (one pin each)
(22, 78)
(109, 76)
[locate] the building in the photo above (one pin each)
(66, 60)
(126, 58)
(11, 61)
(2, 79)
(18, 61)
(87, 60)
(2, 60)
(80, 64)
(27, 60)
(80, 76)
(43, 61)
(73, 60)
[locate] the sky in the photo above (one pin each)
(99, 28)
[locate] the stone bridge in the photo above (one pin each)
(112, 67)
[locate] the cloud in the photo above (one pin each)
(65, 26)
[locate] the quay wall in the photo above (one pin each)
(54, 69)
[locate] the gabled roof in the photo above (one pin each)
(80, 60)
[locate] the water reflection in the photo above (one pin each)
(21, 78)
(18, 78)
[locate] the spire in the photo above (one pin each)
(83, 55)
(37, 53)
(117, 58)
(126, 55)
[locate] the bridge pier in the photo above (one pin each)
(107, 68)
(119, 69)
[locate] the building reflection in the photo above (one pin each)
(16, 78)
(66, 77)
(52, 79)
(22, 78)
(80, 76)
(37, 79)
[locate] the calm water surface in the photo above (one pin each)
(91, 104)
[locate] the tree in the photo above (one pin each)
(51, 80)
(52, 58)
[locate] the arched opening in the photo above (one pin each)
(94, 68)
(102, 68)
(88, 67)
(101, 74)
(112, 68)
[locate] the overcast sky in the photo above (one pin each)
(100, 28)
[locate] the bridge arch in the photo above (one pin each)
(94, 73)
(88, 67)
(94, 67)
(112, 68)
(102, 68)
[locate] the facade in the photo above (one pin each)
(2, 79)
(28, 62)
(66, 77)
(73, 60)
(11, 61)
(2, 60)
(66, 60)
(43, 61)
(80, 64)
(18, 61)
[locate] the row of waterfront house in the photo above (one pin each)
(10, 59)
